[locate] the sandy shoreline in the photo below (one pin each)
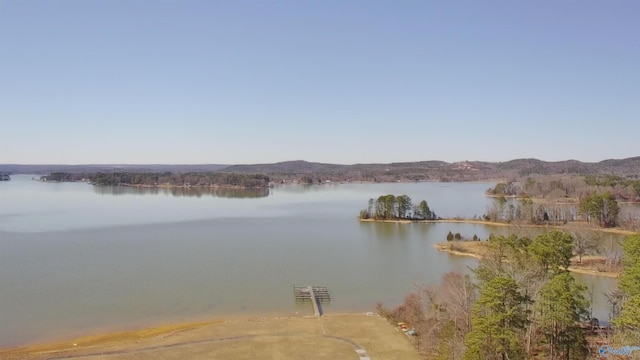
(501, 224)
(472, 249)
(158, 323)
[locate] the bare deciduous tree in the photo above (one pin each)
(440, 315)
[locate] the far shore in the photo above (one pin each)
(167, 185)
(583, 226)
(476, 250)
(552, 200)
(172, 186)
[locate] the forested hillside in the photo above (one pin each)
(308, 172)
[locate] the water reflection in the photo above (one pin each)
(597, 289)
(386, 231)
(235, 193)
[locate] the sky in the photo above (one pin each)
(334, 81)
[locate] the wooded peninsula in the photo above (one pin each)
(166, 179)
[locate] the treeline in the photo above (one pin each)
(626, 299)
(204, 179)
(559, 186)
(391, 207)
(523, 304)
(599, 208)
(64, 177)
(611, 181)
(457, 237)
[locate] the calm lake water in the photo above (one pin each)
(78, 259)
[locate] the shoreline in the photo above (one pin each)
(137, 333)
(501, 224)
(553, 200)
(171, 186)
(166, 322)
(91, 339)
(160, 186)
(579, 268)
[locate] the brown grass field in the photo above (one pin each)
(329, 337)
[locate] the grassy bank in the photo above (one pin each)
(329, 337)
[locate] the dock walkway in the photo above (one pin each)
(315, 294)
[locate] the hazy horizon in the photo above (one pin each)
(284, 161)
(234, 82)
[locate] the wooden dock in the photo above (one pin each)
(315, 294)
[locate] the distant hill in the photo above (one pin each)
(403, 171)
(524, 167)
(440, 170)
(286, 167)
(302, 167)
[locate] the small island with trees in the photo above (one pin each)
(391, 207)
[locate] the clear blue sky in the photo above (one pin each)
(330, 81)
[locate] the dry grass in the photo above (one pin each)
(274, 338)
(474, 249)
